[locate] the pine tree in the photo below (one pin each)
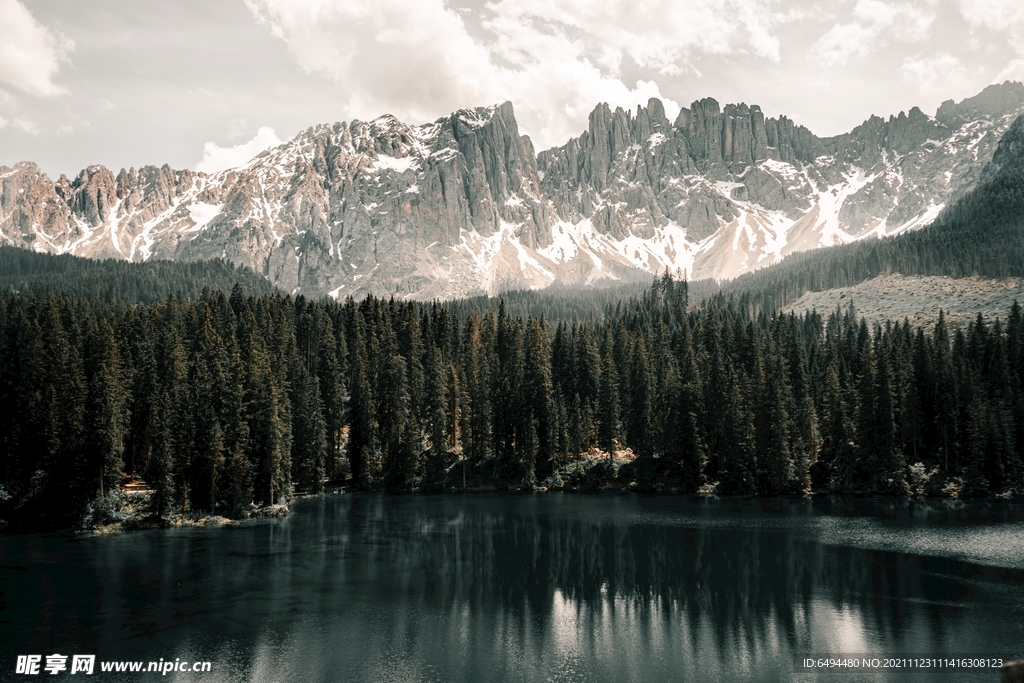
(640, 433)
(868, 459)
(270, 437)
(774, 425)
(107, 413)
(235, 475)
(890, 475)
(683, 443)
(23, 438)
(806, 439)
(137, 328)
(918, 410)
(586, 384)
(362, 447)
(477, 437)
(210, 381)
(945, 387)
(835, 469)
(539, 390)
(1002, 464)
(608, 407)
(402, 460)
(309, 432)
(322, 346)
(437, 401)
(513, 444)
(69, 481)
(172, 441)
(738, 458)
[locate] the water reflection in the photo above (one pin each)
(524, 588)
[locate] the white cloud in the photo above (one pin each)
(3, 123)
(415, 52)
(934, 73)
(555, 59)
(217, 158)
(845, 43)
(658, 34)
(237, 129)
(27, 126)
(1014, 71)
(1000, 15)
(874, 24)
(30, 54)
(74, 123)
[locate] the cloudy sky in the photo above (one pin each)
(207, 84)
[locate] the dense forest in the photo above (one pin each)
(560, 302)
(229, 403)
(117, 283)
(224, 402)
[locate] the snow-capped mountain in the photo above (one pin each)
(464, 205)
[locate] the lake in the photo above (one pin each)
(542, 587)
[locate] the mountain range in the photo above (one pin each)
(464, 205)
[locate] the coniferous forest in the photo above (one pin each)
(223, 402)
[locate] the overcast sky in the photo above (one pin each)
(208, 83)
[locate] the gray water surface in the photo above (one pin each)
(545, 587)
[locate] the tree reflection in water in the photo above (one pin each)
(546, 587)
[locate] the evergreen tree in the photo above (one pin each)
(608, 406)
(683, 444)
(363, 447)
(835, 469)
(945, 387)
(172, 442)
(402, 460)
(542, 425)
(641, 404)
(107, 412)
(737, 468)
(774, 425)
(270, 437)
(309, 431)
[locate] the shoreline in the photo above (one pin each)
(135, 516)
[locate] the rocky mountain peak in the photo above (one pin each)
(994, 101)
(1010, 152)
(463, 204)
(93, 194)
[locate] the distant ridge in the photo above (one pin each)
(980, 234)
(464, 206)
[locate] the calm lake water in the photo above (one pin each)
(545, 587)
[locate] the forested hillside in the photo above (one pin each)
(982, 233)
(581, 302)
(118, 282)
(224, 402)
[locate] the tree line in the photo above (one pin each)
(225, 402)
(118, 283)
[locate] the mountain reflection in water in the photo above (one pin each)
(532, 588)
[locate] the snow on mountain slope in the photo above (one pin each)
(463, 205)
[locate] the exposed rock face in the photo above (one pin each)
(378, 206)
(743, 190)
(464, 205)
